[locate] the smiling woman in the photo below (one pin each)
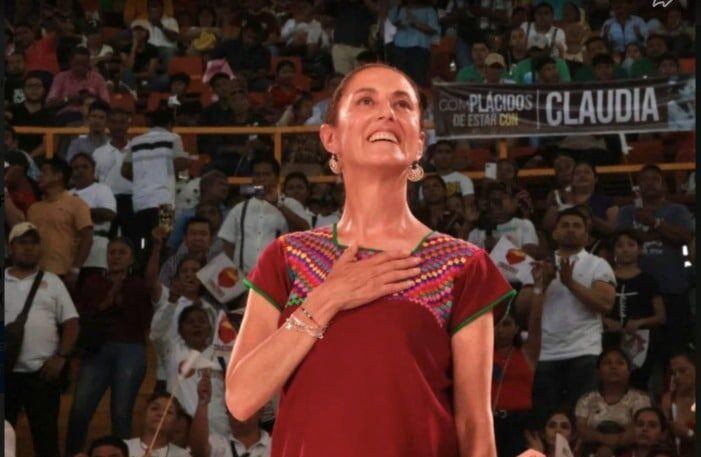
(387, 345)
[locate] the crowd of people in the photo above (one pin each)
(596, 349)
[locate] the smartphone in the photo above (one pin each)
(490, 170)
(251, 190)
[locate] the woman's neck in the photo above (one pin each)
(614, 392)
(627, 270)
(503, 348)
(376, 208)
(147, 437)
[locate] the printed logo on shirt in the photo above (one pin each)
(226, 332)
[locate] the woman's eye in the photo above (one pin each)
(404, 104)
(365, 101)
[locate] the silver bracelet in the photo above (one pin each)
(309, 316)
(292, 323)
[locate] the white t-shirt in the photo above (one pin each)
(98, 195)
(52, 306)
(519, 231)
(221, 446)
(138, 448)
(570, 329)
(156, 36)
(263, 223)
(151, 156)
(108, 169)
(457, 183)
(554, 38)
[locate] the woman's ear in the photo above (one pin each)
(327, 135)
(422, 145)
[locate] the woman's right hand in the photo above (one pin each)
(352, 283)
(533, 440)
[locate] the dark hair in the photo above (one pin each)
(35, 75)
(435, 177)
(656, 36)
(652, 409)
(539, 63)
(80, 51)
(594, 39)
(542, 5)
(188, 258)
(206, 203)
(253, 26)
(164, 394)
(445, 142)
(687, 352)
(162, 118)
(366, 56)
(208, 178)
(554, 411)
(303, 96)
(284, 63)
(332, 112)
(109, 440)
(651, 167)
(668, 57)
(125, 241)
(269, 160)
(197, 220)
(119, 110)
(83, 155)
(570, 212)
(600, 59)
(662, 449)
(494, 187)
(611, 350)
(217, 76)
(59, 165)
(630, 233)
(296, 175)
(481, 40)
(587, 164)
(180, 76)
(185, 313)
(100, 105)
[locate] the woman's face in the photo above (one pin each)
(196, 329)
(648, 429)
(433, 191)
(378, 123)
(614, 369)
(187, 275)
(583, 177)
(626, 250)
(155, 411)
(297, 189)
(683, 372)
(633, 52)
(558, 423)
(119, 257)
(505, 331)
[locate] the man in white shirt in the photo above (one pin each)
(443, 153)
(34, 384)
(151, 162)
(103, 209)
(574, 302)
(542, 33)
(251, 225)
(108, 170)
(497, 222)
(163, 31)
(246, 438)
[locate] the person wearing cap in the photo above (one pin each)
(494, 68)
(140, 58)
(64, 222)
(50, 333)
(163, 31)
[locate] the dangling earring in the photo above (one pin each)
(335, 164)
(416, 172)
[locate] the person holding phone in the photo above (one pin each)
(376, 319)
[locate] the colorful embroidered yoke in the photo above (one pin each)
(380, 381)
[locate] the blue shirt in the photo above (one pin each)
(409, 37)
(619, 36)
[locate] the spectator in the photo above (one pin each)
(97, 131)
(138, 9)
(296, 186)
(140, 61)
(201, 38)
(563, 166)
(197, 241)
(677, 30)
(302, 33)
(156, 407)
(35, 382)
(214, 188)
(108, 164)
(417, 26)
(603, 68)
(475, 72)
(31, 113)
(434, 211)
(663, 227)
(542, 33)
(107, 446)
(498, 221)
(546, 71)
(678, 401)
(604, 212)
(574, 24)
(15, 73)
(151, 163)
(605, 416)
(40, 54)
(188, 107)
(517, 48)
(321, 107)
(655, 48)
(16, 156)
(248, 56)
(162, 30)
(593, 46)
(668, 66)
(528, 71)
(21, 191)
(118, 308)
(583, 290)
(507, 175)
(458, 183)
(103, 209)
(70, 87)
(283, 92)
(638, 306)
(634, 52)
(268, 217)
(650, 429)
(558, 422)
(494, 69)
(514, 366)
(64, 223)
(623, 28)
(245, 438)
(100, 53)
(351, 26)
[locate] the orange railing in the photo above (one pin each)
(50, 135)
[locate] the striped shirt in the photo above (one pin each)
(151, 156)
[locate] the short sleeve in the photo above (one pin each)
(269, 277)
(466, 186)
(479, 289)
(229, 230)
(530, 236)
(604, 272)
(581, 410)
(106, 199)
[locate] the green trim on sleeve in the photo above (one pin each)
(507, 296)
(262, 293)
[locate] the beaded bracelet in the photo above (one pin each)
(292, 323)
(309, 316)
